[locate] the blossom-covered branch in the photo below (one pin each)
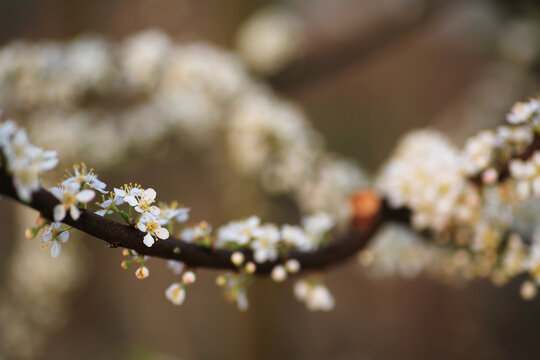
(119, 235)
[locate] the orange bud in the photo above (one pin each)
(366, 206)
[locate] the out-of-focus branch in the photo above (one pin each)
(322, 59)
(368, 209)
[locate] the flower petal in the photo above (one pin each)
(146, 217)
(141, 226)
(64, 237)
(59, 212)
(57, 192)
(162, 233)
(74, 212)
(148, 240)
(56, 248)
(154, 210)
(148, 195)
(47, 236)
(131, 200)
(86, 195)
(119, 192)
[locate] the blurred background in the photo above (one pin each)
(365, 72)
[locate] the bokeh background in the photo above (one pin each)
(368, 71)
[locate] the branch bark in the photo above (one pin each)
(118, 235)
(321, 59)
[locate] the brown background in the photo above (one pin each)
(361, 109)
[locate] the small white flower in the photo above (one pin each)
(528, 290)
(152, 228)
(295, 236)
(317, 224)
(250, 267)
(52, 235)
(319, 298)
(279, 273)
(292, 266)
(143, 203)
(189, 277)
(523, 111)
(264, 244)
(196, 232)
(239, 232)
(107, 205)
(142, 272)
(176, 294)
(70, 196)
(237, 258)
(301, 290)
(82, 175)
(176, 266)
(167, 214)
(25, 161)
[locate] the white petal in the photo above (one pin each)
(162, 233)
(56, 248)
(119, 192)
(59, 212)
(47, 236)
(64, 237)
(58, 193)
(101, 212)
(154, 210)
(86, 195)
(74, 212)
(141, 226)
(131, 200)
(148, 195)
(146, 217)
(148, 240)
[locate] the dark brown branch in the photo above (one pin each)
(119, 235)
(321, 59)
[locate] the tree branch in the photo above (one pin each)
(321, 59)
(367, 221)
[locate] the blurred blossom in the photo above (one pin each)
(270, 39)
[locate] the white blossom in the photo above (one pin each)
(25, 161)
(295, 236)
(176, 294)
(82, 175)
(169, 213)
(152, 228)
(52, 236)
(70, 195)
(239, 232)
(176, 266)
(279, 273)
(523, 111)
(142, 272)
(264, 245)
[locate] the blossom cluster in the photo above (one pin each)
(268, 241)
(201, 93)
(478, 203)
(270, 39)
(25, 161)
